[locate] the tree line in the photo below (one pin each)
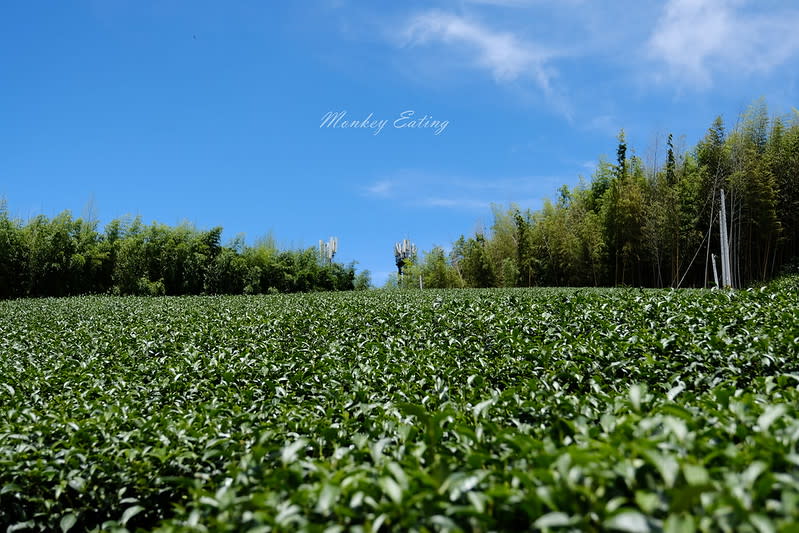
(636, 223)
(63, 256)
(651, 225)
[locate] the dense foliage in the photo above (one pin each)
(652, 223)
(66, 256)
(505, 409)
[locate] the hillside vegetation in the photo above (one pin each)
(648, 220)
(66, 256)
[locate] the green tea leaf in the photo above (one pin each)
(129, 513)
(67, 522)
(553, 519)
(629, 521)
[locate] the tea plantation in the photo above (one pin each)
(473, 410)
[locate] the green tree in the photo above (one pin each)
(13, 256)
(363, 281)
(436, 271)
(524, 264)
(471, 260)
(502, 245)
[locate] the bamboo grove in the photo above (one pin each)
(67, 256)
(648, 225)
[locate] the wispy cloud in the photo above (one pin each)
(419, 189)
(381, 188)
(519, 3)
(505, 55)
(697, 39)
(504, 3)
(606, 124)
(455, 203)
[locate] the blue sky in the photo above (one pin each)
(213, 112)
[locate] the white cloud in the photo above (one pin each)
(504, 3)
(502, 53)
(455, 203)
(523, 3)
(606, 124)
(697, 39)
(380, 188)
(418, 189)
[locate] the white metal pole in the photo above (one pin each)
(725, 244)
